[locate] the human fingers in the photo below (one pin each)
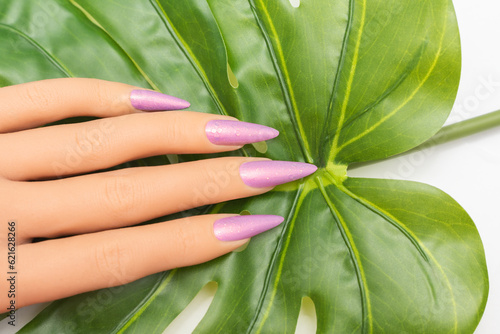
(114, 199)
(36, 103)
(68, 266)
(83, 147)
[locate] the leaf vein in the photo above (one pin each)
(340, 67)
(334, 150)
(283, 76)
(407, 100)
(160, 285)
(188, 53)
(51, 58)
(96, 23)
(355, 258)
(422, 248)
(280, 250)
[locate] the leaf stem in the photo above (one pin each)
(450, 132)
(463, 129)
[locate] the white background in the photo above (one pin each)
(466, 168)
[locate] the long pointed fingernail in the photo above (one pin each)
(227, 132)
(260, 174)
(148, 100)
(243, 227)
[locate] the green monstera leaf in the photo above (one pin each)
(344, 81)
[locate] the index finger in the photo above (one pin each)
(36, 103)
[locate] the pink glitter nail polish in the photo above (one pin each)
(242, 227)
(148, 100)
(227, 132)
(260, 174)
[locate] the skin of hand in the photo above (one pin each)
(47, 193)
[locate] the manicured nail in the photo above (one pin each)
(226, 132)
(148, 100)
(242, 227)
(260, 174)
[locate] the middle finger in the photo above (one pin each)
(129, 196)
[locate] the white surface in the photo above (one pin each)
(466, 169)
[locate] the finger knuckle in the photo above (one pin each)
(121, 194)
(212, 183)
(91, 143)
(175, 131)
(184, 240)
(112, 260)
(39, 98)
(184, 243)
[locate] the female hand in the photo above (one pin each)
(89, 214)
